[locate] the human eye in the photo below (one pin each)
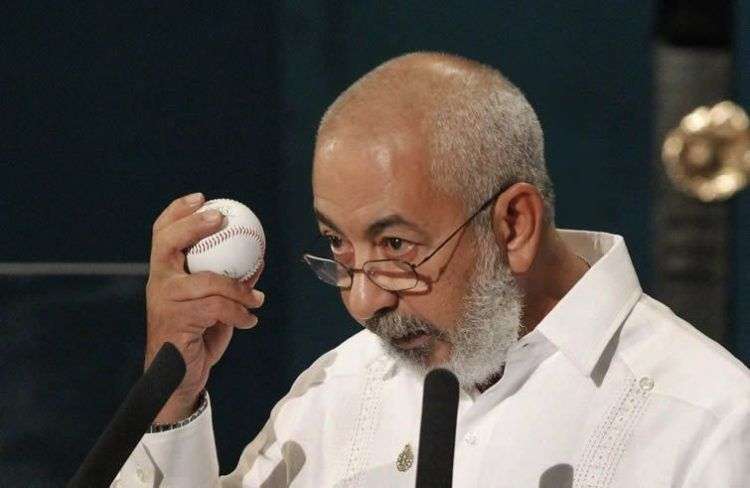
(336, 244)
(334, 241)
(396, 246)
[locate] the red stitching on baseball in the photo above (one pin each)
(221, 236)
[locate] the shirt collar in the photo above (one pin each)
(588, 316)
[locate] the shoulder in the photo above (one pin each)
(322, 395)
(341, 371)
(357, 354)
(330, 388)
(683, 362)
(351, 358)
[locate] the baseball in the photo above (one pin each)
(236, 250)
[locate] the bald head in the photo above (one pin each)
(407, 89)
(478, 129)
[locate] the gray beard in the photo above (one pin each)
(488, 324)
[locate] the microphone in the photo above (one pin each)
(437, 433)
(132, 419)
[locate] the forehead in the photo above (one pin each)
(362, 176)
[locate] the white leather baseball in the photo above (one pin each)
(237, 249)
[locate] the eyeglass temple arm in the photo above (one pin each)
(447, 240)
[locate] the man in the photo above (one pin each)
(431, 189)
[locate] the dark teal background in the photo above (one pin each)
(740, 343)
(109, 112)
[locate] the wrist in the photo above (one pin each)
(177, 408)
(202, 406)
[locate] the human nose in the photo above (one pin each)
(364, 298)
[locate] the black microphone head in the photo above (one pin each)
(440, 385)
(437, 433)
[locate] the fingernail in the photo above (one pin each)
(252, 323)
(194, 199)
(211, 216)
(260, 296)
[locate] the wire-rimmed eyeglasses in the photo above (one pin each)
(388, 274)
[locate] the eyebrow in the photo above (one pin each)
(378, 227)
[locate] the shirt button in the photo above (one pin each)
(471, 439)
(646, 383)
(142, 474)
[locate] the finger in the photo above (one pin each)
(170, 241)
(206, 284)
(178, 209)
(207, 312)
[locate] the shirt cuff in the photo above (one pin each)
(156, 428)
(183, 456)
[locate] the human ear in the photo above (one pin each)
(517, 222)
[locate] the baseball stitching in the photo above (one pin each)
(216, 239)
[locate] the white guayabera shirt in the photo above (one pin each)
(611, 389)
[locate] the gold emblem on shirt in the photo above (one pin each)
(405, 459)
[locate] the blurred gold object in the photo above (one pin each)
(708, 155)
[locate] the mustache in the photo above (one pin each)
(391, 325)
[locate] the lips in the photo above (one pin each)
(412, 341)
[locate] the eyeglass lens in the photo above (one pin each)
(389, 275)
(329, 271)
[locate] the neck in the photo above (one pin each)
(554, 272)
(491, 381)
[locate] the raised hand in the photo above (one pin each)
(196, 312)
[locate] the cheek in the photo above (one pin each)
(442, 305)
